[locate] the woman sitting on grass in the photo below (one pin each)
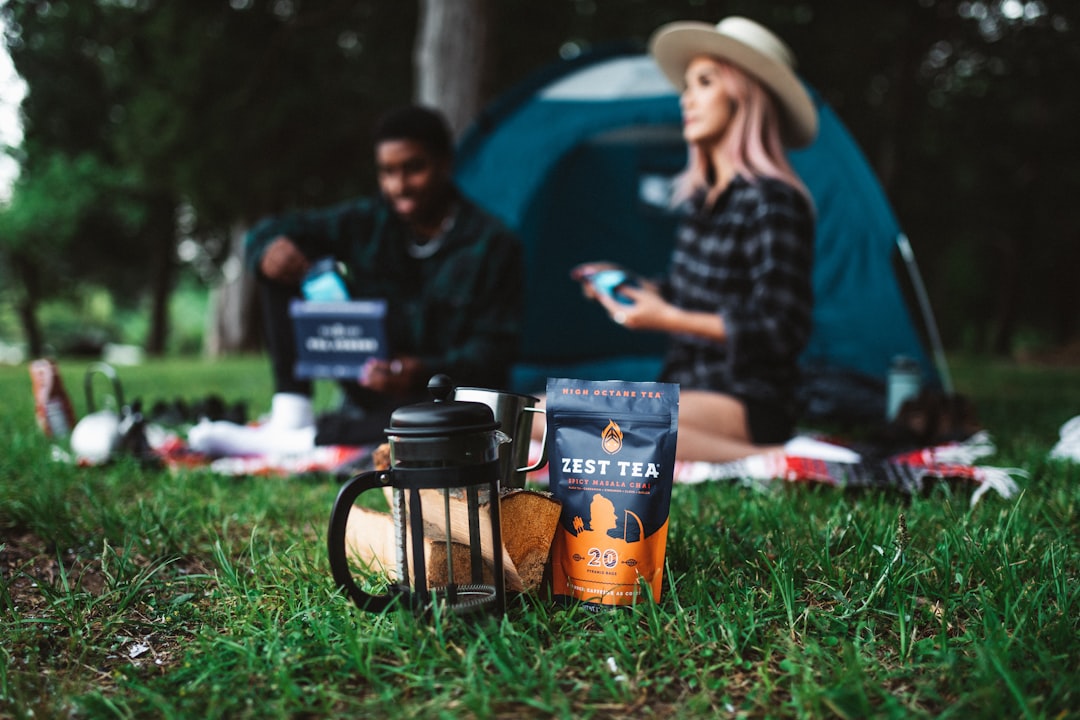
(737, 299)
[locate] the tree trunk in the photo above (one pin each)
(234, 319)
(451, 58)
(164, 271)
(903, 106)
(1065, 323)
(27, 306)
(1006, 290)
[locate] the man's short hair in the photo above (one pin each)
(420, 124)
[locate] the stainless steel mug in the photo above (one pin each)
(515, 414)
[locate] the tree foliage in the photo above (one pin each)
(246, 107)
(236, 108)
(232, 108)
(989, 182)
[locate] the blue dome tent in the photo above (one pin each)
(578, 161)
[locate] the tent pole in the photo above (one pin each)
(908, 255)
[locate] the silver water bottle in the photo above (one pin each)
(904, 383)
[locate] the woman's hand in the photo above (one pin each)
(581, 273)
(646, 311)
(650, 311)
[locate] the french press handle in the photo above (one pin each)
(339, 521)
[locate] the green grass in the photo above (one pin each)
(131, 593)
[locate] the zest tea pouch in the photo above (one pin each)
(611, 461)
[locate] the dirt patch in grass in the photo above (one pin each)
(113, 630)
(27, 561)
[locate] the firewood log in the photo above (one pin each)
(371, 541)
(371, 537)
(528, 521)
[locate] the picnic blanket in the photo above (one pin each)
(908, 473)
(172, 451)
(809, 460)
(806, 459)
(338, 460)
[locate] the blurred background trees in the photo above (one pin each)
(157, 130)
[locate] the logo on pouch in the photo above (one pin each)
(611, 438)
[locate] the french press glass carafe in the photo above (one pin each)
(443, 488)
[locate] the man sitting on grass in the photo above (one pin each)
(452, 275)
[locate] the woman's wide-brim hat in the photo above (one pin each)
(750, 46)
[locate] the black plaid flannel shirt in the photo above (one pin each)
(459, 311)
(748, 258)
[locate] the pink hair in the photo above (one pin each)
(751, 144)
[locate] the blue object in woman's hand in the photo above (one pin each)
(609, 281)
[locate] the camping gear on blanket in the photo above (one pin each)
(928, 419)
(515, 414)
(444, 463)
(1068, 445)
(905, 381)
(102, 434)
(578, 160)
(52, 405)
(180, 412)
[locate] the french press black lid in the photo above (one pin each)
(441, 417)
(444, 433)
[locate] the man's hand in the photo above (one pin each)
(399, 376)
(283, 262)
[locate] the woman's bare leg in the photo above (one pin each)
(712, 428)
(714, 412)
(700, 445)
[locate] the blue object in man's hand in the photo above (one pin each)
(324, 283)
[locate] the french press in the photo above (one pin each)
(444, 460)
